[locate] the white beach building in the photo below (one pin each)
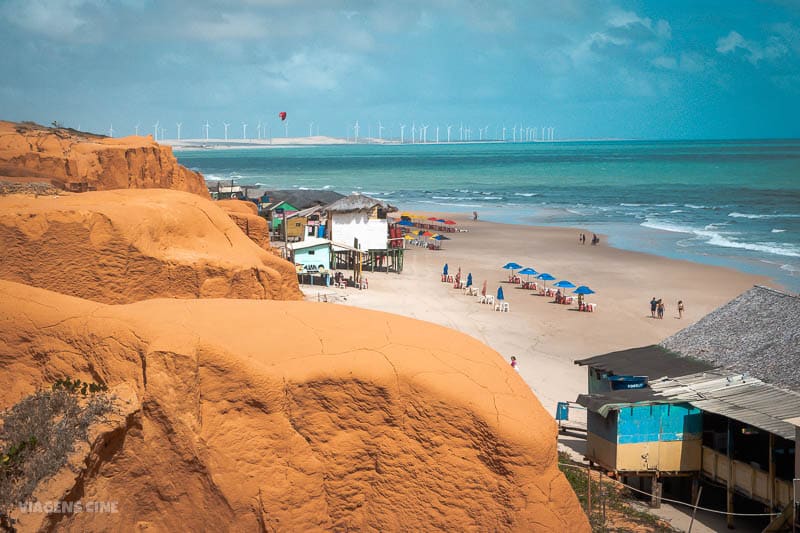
(359, 221)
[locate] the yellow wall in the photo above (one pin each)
(674, 456)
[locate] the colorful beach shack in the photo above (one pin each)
(629, 429)
(312, 253)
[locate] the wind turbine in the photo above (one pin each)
(258, 130)
(206, 126)
(244, 131)
(424, 128)
(461, 132)
(449, 127)
(380, 130)
(136, 128)
(179, 124)
(226, 125)
(111, 130)
(355, 131)
(413, 132)
(310, 129)
(155, 131)
(480, 134)
(402, 132)
(514, 133)
(437, 134)
(504, 134)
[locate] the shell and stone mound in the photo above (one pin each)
(289, 416)
(124, 245)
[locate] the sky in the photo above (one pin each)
(677, 69)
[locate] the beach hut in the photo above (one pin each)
(312, 253)
(359, 221)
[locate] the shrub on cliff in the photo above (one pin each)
(38, 433)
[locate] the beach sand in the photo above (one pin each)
(546, 337)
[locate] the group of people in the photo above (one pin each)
(582, 238)
(657, 308)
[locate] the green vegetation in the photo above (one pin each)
(38, 434)
(611, 504)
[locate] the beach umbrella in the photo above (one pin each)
(512, 266)
(583, 289)
(544, 276)
(449, 222)
(408, 237)
(432, 219)
(405, 223)
(440, 220)
(469, 279)
(528, 272)
(406, 215)
(483, 290)
(429, 234)
(500, 293)
(445, 269)
(564, 284)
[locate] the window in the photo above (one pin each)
(311, 252)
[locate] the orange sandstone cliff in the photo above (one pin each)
(290, 416)
(127, 245)
(245, 215)
(77, 161)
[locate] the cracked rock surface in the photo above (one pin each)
(293, 416)
(126, 245)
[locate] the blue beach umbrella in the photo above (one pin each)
(583, 289)
(444, 270)
(469, 279)
(512, 266)
(528, 272)
(544, 276)
(500, 293)
(405, 223)
(564, 284)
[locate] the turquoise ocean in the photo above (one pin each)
(727, 203)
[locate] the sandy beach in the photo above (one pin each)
(544, 336)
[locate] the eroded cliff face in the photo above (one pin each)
(76, 161)
(292, 416)
(128, 245)
(245, 215)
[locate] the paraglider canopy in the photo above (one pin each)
(282, 114)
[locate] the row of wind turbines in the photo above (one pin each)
(418, 134)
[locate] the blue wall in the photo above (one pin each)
(662, 422)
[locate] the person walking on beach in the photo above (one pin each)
(474, 215)
(653, 307)
(660, 309)
(680, 308)
(514, 363)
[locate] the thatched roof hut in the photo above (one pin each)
(358, 202)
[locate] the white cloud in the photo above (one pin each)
(57, 19)
(318, 71)
(773, 48)
(666, 62)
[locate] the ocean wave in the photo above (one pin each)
(528, 194)
(677, 211)
(631, 205)
(326, 187)
(790, 268)
(693, 206)
(776, 230)
(715, 238)
(213, 177)
(665, 205)
(449, 204)
(492, 198)
(748, 215)
(453, 198)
